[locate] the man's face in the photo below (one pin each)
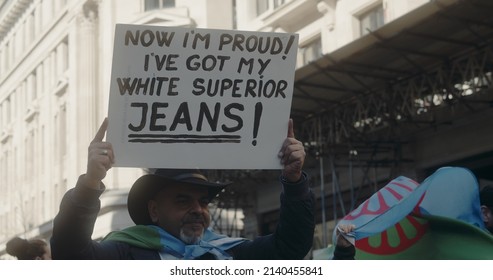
(181, 210)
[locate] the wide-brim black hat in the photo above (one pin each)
(147, 186)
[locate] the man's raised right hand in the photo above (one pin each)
(100, 158)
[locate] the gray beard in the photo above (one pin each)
(190, 240)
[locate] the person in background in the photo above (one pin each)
(486, 200)
(346, 251)
(32, 249)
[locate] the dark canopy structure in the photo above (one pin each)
(362, 105)
(423, 69)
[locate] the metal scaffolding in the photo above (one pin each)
(358, 107)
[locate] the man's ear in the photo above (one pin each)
(152, 207)
(485, 213)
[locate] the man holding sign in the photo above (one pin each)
(170, 209)
(183, 98)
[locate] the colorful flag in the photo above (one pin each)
(437, 219)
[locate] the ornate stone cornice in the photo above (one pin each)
(10, 13)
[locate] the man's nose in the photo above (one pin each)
(197, 207)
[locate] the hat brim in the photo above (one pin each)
(147, 186)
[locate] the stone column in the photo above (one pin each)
(86, 78)
(328, 9)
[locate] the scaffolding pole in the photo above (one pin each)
(322, 195)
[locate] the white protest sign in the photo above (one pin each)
(200, 98)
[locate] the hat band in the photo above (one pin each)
(190, 175)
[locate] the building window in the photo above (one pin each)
(311, 51)
(158, 4)
(6, 111)
(7, 56)
(61, 58)
(371, 20)
(278, 3)
(31, 87)
(30, 29)
(2, 63)
(266, 5)
(63, 131)
(38, 21)
(43, 203)
(42, 157)
(262, 6)
(39, 80)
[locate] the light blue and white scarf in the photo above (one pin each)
(172, 248)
